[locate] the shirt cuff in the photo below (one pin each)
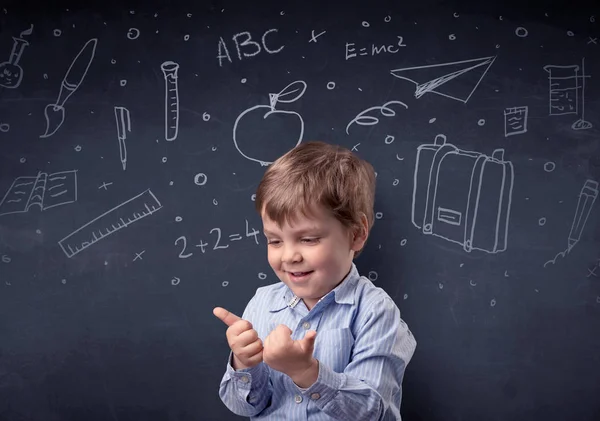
(245, 378)
(328, 384)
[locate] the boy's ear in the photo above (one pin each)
(360, 234)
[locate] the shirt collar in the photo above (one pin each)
(343, 293)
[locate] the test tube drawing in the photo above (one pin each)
(587, 197)
(169, 69)
(123, 126)
(11, 73)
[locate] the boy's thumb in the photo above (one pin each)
(308, 342)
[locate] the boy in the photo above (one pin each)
(325, 343)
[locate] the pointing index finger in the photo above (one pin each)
(226, 316)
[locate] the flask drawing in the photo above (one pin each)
(11, 73)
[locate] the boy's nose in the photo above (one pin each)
(290, 255)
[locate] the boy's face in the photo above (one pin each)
(313, 255)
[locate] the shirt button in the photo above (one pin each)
(298, 398)
(306, 325)
(245, 379)
(315, 396)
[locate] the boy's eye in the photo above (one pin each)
(272, 241)
(310, 240)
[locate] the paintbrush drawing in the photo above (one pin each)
(55, 113)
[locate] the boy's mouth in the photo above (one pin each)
(299, 276)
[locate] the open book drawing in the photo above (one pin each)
(44, 190)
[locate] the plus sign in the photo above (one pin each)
(138, 255)
(104, 185)
(592, 272)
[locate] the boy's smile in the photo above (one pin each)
(313, 254)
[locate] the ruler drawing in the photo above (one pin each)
(119, 217)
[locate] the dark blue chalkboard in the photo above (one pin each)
(133, 137)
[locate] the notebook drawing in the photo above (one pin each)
(43, 190)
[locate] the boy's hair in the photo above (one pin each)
(318, 173)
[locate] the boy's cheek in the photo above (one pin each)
(274, 261)
(271, 255)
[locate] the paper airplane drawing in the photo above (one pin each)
(457, 80)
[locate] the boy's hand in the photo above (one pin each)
(243, 340)
(294, 358)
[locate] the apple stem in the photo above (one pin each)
(273, 100)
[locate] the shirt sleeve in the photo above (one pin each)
(370, 388)
(246, 392)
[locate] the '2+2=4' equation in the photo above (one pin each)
(183, 243)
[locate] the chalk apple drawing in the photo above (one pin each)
(265, 129)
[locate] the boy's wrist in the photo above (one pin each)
(236, 364)
(307, 377)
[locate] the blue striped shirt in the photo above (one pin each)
(362, 345)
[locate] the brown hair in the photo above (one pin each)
(318, 173)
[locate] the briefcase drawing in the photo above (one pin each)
(463, 196)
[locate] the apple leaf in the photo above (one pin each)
(290, 92)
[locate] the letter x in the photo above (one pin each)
(314, 37)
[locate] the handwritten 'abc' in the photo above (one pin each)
(250, 48)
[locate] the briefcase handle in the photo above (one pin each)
(440, 139)
(498, 154)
